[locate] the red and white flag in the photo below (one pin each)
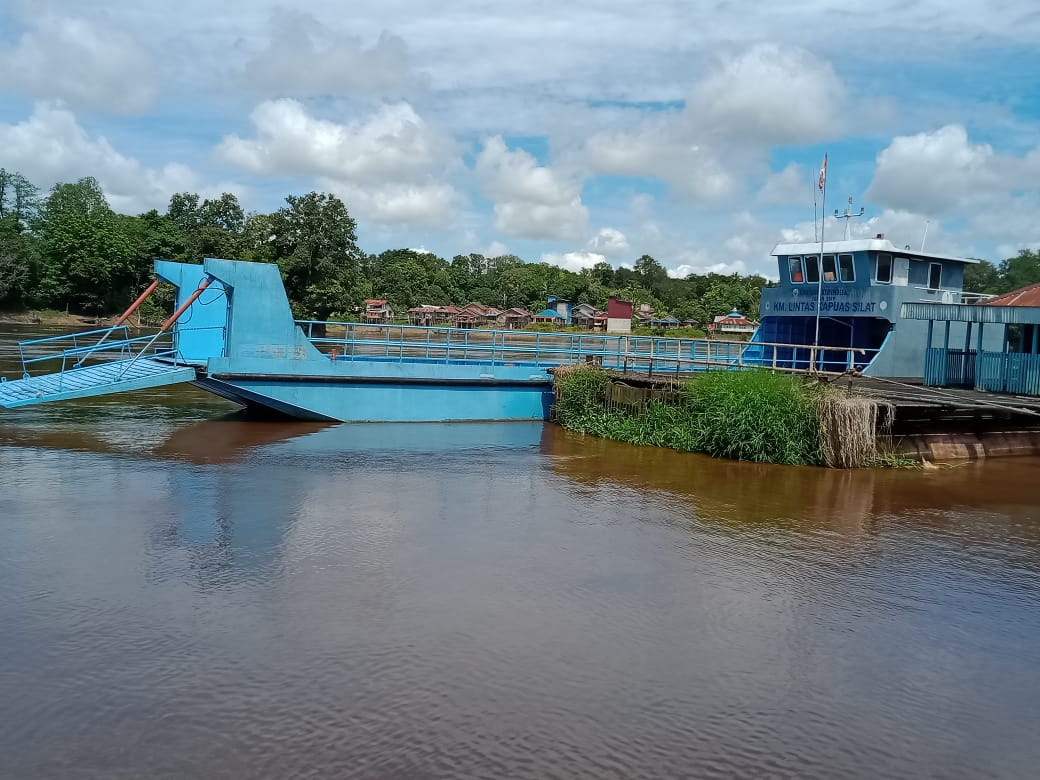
(823, 173)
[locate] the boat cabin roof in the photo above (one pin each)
(861, 245)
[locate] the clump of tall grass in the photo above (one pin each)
(755, 415)
(752, 415)
(744, 415)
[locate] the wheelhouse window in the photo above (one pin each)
(846, 268)
(797, 275)
(812, 269)
(884, 269)
(934, 276)
(830, 268)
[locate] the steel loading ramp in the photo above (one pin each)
(117, 376)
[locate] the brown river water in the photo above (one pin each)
(185, 594)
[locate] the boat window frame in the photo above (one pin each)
(851, 267)
(812, 268)
(877, 267)
(793, 260)
(938, 284)
(833, 273)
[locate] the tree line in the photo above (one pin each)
(66, 249)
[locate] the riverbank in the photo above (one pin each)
(774, 418)
(740, 415)
(47, 317)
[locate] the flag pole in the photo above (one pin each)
(819, 261)
(815, 223)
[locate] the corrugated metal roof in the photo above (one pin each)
(1026, 296)
(961, 312)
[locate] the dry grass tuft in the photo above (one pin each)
(849, 429)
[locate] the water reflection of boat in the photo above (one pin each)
(233, 437)
(227, 440)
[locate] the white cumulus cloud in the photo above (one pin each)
(938, 172)
(85, 64)
(392, 203)
(306, 57)
(573, 261)
(530, 200)
(659, 149)
(609, 241)
(385, 166)
(394, 142)
(792, 185)
(770, 94)
(51, 146)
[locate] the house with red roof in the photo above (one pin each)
(732, 324)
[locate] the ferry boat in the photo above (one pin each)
(851, 296)
(233, 334)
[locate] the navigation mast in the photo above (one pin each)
(849, 214)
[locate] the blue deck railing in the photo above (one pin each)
(650, 354)
(59, 355)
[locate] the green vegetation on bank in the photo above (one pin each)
(753, 415)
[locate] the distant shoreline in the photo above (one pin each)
(44, 317)
(49, 317)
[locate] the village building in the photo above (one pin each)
(378, 310)
(583, 315)
(619, 316)
(732, 324)
(549, 316)
(514, 319)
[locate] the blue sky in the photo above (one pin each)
(569, 132)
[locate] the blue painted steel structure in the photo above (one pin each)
(861, 286)
(238, 340)
(1005, 358)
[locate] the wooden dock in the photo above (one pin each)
(921, 409)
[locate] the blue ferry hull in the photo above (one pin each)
(382, 392)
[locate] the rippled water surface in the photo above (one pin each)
(185, 594)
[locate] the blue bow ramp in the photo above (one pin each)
(114, 377)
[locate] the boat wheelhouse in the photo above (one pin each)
(853, 293)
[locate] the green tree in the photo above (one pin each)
(209, 228)
(652, 274)
(400, 276)
(983, 277)
(314, 242)
(1019, 271)
(604, 273)
(19, 267)
(86, 252)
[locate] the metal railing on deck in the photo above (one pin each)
(67, 352)
(647, 354)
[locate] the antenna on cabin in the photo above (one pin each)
(924, 238)
(849, 214)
